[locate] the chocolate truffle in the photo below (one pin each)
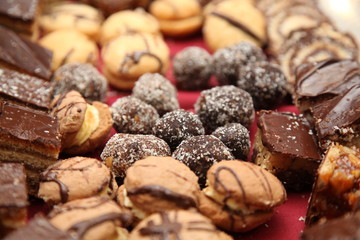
(225, 104)
(236, 137)
(192, 68)
(131, 115)
(228, 61)
(82, 77)
(200, 153)
(265, 82)
(156, 90)
(122, 150)
(176, 126)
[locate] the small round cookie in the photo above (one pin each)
(177, 18)
(156, 90)
(265, 82)
(65, 15)
(131, 55)
(226, 104)
(236, 137)
(192, 68)
(81, 77)
(234, 21)
(229, 61)
(131, 115)
(75, 178)
(95, 218)
(83, 126)
(109, 7)
(123, 150)
(177, 224)
(69, 46)
(240, 195)
(128, 21)
(157, 184)
(176, 126)
(199, 153)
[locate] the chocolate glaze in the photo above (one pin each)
(24, 55)
(164, 193)
(338, 112)
(24, 10)
(134, 58)
(25, 89)
(287, 133)
(29, 125)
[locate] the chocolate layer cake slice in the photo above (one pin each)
(337, 188)
(29, 137)
(286, 146)
(23, 55)
(20, 15)
(25, 89)
(13, 197)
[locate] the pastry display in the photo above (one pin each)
(29, 137)
(123, 150)
(286, 146)
(336, 190)
(192, 68)
(128, 21)
(75, 178)
(83, 126)
(240, 196)
(199, 153)
(177, 126)
(131, 55)
(177, 18)
(67, 15)
(81, 77)
(131, 115)
(146, 193)
(236, 137)
(226, 104)
(22, 55)
(14, 197)
(156, 90)
(68, 46)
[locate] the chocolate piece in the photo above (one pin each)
(22, 55)
(39, 228)
(286, 146)
(25, 89)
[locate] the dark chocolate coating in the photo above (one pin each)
(228, 61)
(199, 153)
(176, 126)
(265, 82)
(24, 10)
(109, 7)
(236, 137)
(192, 68)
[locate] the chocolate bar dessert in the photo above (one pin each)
(21, 15)
(25, 90)
(22, 55)
(13, 197)
(337, 187)
(286, 146)
(29, 137)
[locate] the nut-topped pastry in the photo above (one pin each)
(240, 195)
(75, 178)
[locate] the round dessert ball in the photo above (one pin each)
(131, 115)
(228, 61)
(156, 90)
(236, 137)
(178, 125)
(224, 104)
(122, 150)
(192, 68)
(81, 77)
(199, 153)
(265, 82)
